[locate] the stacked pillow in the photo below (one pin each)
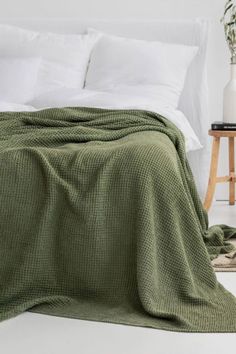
(18, 77)
(94, 69)
(95, 60)
(157, 69)
(62, 61)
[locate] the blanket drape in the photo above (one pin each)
(100, 220)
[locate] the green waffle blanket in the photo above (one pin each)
(100, 220)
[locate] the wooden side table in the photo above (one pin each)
(213, 179)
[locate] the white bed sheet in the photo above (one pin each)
(122, 98)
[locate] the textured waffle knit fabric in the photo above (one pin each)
(100, 220)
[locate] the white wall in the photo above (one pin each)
(167, 9)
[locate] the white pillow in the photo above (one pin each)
(162, 67)
(70, 53)
(54, 75)
(18, 77)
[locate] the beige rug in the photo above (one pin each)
(225, 263)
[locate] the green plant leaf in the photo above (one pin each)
(227, 9)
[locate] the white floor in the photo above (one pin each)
(37, 334)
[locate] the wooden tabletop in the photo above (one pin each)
(222, 133)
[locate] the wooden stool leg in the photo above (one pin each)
(231, 172)
(213, 173)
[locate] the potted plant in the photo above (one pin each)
(229, 22)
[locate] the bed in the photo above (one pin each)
(194, 100)
(100, 217)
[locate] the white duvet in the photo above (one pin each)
(119, 98)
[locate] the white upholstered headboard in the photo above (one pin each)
(194, 100)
